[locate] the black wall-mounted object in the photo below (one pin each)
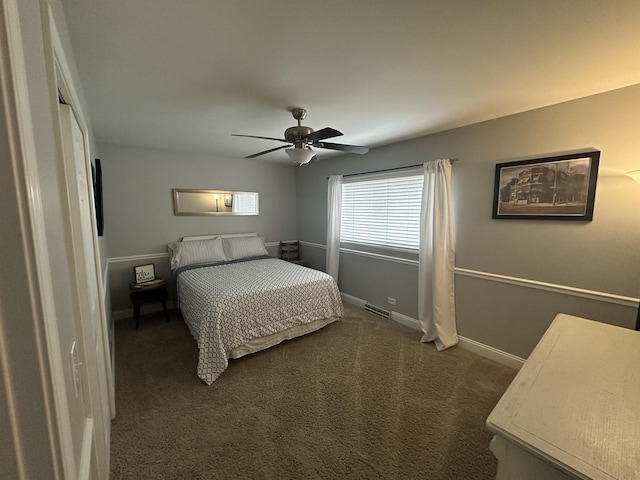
(97, 195)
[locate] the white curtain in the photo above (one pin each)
(436, 296)
(334, 214)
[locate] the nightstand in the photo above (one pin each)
(290, 252)
(148, 292)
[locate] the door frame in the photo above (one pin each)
(33, 398)
(58, 67)
(99, 382)
(48, 452)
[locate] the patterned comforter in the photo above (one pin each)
(228, 305)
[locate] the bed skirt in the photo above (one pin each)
(263, 343)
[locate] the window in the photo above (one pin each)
(244, 203)
(382, 211)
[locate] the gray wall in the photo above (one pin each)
(138, 205)
(602, 255)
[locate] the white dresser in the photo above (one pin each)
(573, 410)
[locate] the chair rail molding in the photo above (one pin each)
(133, 258)
(552, 287)
(494, 277)
(151, 256)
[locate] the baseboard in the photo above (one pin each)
(358, 302)
(148, 308)
(486, 351)
(481, 349)
(491, 353)
(405, 320)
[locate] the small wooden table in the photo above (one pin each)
(572, 412)
(148, 292)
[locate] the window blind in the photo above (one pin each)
(244, 203)
(382, 212)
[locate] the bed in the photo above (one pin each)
(237, 300)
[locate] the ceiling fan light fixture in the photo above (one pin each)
(300, 156)
(301, 138)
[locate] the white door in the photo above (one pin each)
(27, 253)
(51, 424)
(90, 322)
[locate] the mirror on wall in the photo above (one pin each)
(214, 202)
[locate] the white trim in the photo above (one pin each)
(101, 387)
(151, 256)
(132, 258)
(406, 320)
(20, 136)
(314, 245)
(84, 470)
(521, 282)
(412, 251)
(504, 358)
(105, 279)
(552, 287)
(127, 313)
(110, 348)
(387, 258)
(486, 351)
(358, 302)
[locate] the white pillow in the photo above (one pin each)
(243, 247)
(196, 251)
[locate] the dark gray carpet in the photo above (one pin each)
(359, 399)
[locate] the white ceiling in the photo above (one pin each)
(184, 75)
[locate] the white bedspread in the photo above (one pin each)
(229, 305)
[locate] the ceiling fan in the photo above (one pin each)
(302, 138)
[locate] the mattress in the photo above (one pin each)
(235, 308)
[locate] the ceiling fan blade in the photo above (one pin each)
(268, 151)
(264, 138)
(342, 147)
(323, 133)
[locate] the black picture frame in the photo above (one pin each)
(97, 195)
(562, 187)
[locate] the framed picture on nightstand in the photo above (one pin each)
(144, 273)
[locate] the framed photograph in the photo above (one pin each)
(228, 200)
(98, 198)
(551, 188)
(96, 175)
(144, 273)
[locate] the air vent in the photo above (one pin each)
(377, 311)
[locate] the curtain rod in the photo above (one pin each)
(389, 169)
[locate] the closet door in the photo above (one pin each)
(90, 323)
